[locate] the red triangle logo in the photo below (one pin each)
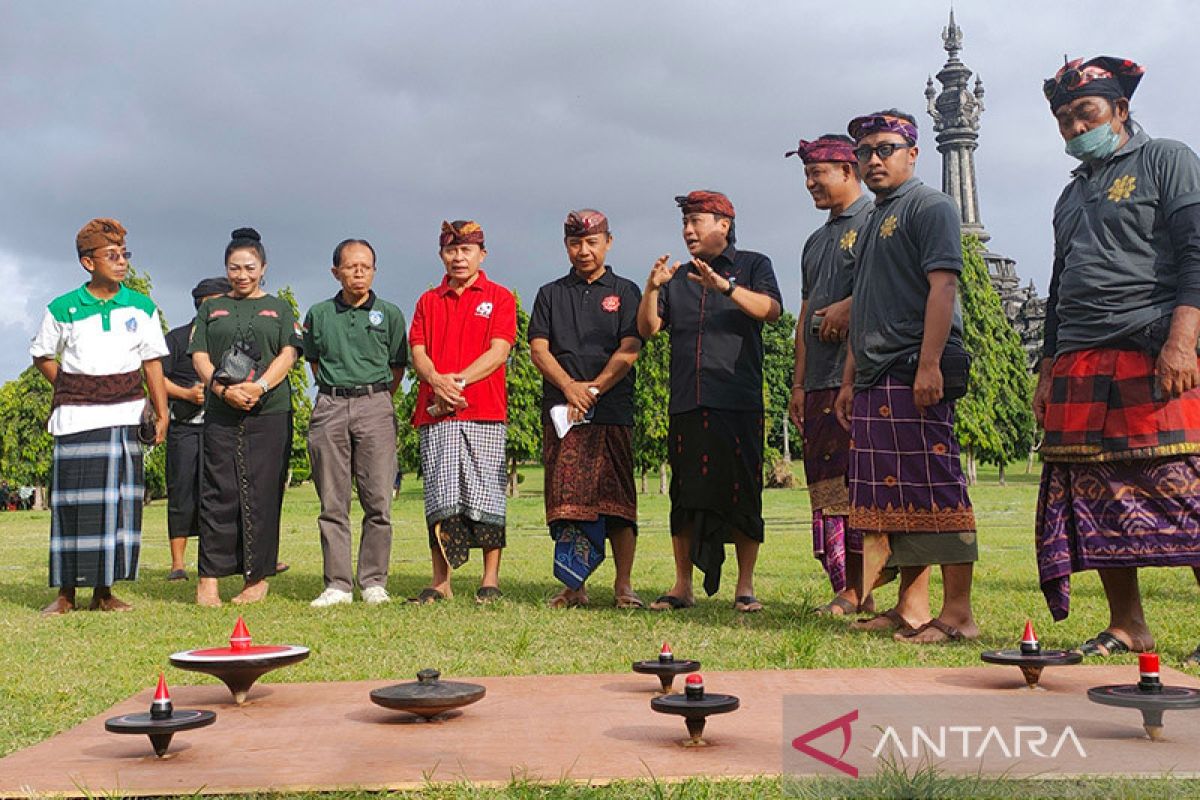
(843, 722)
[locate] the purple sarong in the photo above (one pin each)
(826, 458)
(905, 475)
(1143, 513)
(832, 539)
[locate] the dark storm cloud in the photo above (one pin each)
(314, 122)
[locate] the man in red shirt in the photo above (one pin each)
(461, 335)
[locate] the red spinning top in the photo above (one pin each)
(665, 654)
(160, 706)
(1148, 664)
(240, 639)
(1029, 641)
(693, 688)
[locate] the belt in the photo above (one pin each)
(354, 391)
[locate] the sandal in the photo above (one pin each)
(897, 622)
(487, 594)
(840, 602)
(1111, 644)
(427, 597)
(670, 602)
(567, 599)
(1194, 659)
(630, 600)
(951, 633)
(747, 604)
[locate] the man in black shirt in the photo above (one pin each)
(185, 434)
(714, 308)
(583, 338)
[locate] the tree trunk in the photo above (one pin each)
(1029, 463)
(970, 466)
(787, 448)
(1002, 481)
(643, 481)
(663, 483)
(513, 490)
(39, 498)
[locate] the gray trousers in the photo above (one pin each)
(354, 438)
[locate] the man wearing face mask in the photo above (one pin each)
(1117, 389)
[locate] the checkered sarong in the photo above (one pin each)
(96, 499)
(905, 476)
(1105, 405)
(462, 465)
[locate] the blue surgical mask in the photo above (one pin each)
(1096, 145)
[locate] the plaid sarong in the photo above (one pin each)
(905, 475)
(1143, 513)
(96, 496)
(462, 464)
(1105, 405)
(826, 454)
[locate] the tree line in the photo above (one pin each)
(994, 422)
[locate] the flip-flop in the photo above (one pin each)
(951, 633)
(1194, 659)
(281, 568)
(747, 604)
(670, 602)
(1111, 644)
(563, 600)
(487, 594)
(427, 597)
(630, 600)
(827, 610)
(898, 623)
(177, 575)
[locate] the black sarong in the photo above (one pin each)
(241, 496)
(716, 459)
(185, 459)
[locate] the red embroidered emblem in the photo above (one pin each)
(219, 312)
(268, 312)
(611, 303)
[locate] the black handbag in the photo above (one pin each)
(241, 363)
(956, 371)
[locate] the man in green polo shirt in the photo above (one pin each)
(356, 346)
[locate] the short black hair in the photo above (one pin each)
(342, 245)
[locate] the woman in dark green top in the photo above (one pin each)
(247, 425)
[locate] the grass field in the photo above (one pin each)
(58, 672)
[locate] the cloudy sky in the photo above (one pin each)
(318, 121)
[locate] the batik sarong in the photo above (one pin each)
(906, 480)
(241, 496)
(462, 465)
(716, 459)
(96, 495)
(578, 549)
(826, 459)
(1106, 405)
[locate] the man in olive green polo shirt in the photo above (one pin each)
(357, 348)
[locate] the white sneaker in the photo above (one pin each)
(332, 597)
(375, 595)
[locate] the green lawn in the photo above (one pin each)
(61, 671)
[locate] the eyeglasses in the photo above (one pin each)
(115, 256)
(864, 152)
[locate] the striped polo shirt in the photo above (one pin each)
(91, 336)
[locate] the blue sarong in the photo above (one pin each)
(578, 549)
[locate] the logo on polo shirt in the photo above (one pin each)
(611, 303)
(375, 317)
(888, 227)
(131, 325)
(484, 310)
(268, 312)
(219, 312)
(1121, 188)
(848, 239)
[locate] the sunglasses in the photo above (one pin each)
(864, 152)
(115, 256)
(1070, 80)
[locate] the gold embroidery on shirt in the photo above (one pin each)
(888, 227)
(848, 239)
(1121, 188)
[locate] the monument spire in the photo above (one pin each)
(956, 110)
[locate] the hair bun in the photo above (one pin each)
(246, 233)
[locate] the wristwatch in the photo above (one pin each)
(729, 291)
(263, 384)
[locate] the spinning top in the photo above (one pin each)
(1030, 657)
(242, 663)
(429, 697)
(1148, 695)
(695, 706)
(163, 721)
(665, 667)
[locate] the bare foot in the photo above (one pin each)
(569, 598)
(61, 605)
(207, 593)
(108, 602)
(251, 593)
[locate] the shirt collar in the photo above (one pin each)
(605, 279)
(478, 285)
(121, 298)
(728, 254)
(341, 305)
(899, 191)
(852, 209)
(1137, 138)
